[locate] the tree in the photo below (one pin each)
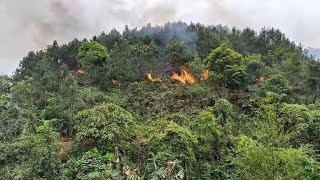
(68, 54)
(92, 54)
(173, 170)
(257, 161)
(252, 113)
(255, 68)
(109, 39)
(105, 123)
(5, 84)
(92, 57)
(276, 83)
(208, 132)
(178, 53)
(224, 110)
(64, 104)
(15, 120)
(91, 164)
(122, 67)
(145, 58)
(313, 80)
(170, 141)
(32, 155)
(227, 67)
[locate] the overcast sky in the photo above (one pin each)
(32, 24)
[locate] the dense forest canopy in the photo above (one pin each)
(179, 101)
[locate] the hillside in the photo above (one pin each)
(181, 101)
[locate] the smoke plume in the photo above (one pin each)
(32, 24)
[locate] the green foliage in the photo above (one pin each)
(16, 121)
(224, 110)
(257, 161)
(227, 66)
(255, 117)
(4, 100)
(92, 58)
(21, 92)
(5, 83)
(209, 136)
(255, 68)
(312, 129)
(92, 54)
(276, 83)
(173, 170)
(293, 115)
(162, 100)
(268, 129)
(32, 156)
(164, 135)
(121, 67)
(102, 124)
(92, 165)
(83, 168)
(178, 53)
(313, 80)
(145, 58)
(131, 62)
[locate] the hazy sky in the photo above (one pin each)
(32, 24)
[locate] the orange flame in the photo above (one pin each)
(185, 77)
(260, 79)
(149, 77)
(115, 82)
(80, 71)
(204, 75)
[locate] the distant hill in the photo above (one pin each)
(315, 52)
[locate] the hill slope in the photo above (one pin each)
(182, 101)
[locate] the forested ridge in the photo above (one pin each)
(179, 101)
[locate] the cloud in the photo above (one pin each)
(32, 24)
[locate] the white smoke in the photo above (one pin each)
(32, 24)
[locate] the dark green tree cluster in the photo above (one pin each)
(85, 110)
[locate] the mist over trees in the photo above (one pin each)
(109, 107)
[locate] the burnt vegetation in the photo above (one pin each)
(181, 101)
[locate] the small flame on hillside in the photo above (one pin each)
(204, 75)
(80, 71)
(185, 77)
(62, 73)
(115, 82)
(150, 78)
(260, 79)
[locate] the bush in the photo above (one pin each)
(228, 67)
(256, 161)
(105, 123)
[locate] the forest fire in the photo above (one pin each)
(185, 77)
(66, 144)
(80, 71)
(260, 79)
(204, 75)
(115, 82)
(149, 77)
